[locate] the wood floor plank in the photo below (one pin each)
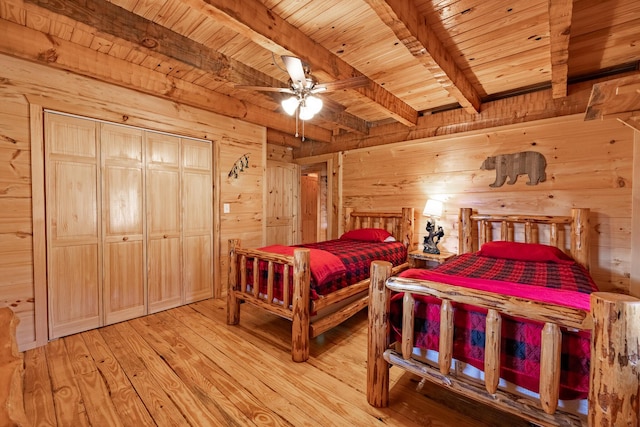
(159, 405)
(38, 395)
(98, 404)
(262, 366)
(336, 400)
(238, 379)
(189, 405)
(69, 407)
(195, 372)
(125, 399)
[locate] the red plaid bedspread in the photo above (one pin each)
(520, 351)
(355, 255)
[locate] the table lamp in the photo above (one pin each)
(432, 210)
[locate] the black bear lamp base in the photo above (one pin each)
(432, 238)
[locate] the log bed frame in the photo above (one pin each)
(335, 307)
(612, 320)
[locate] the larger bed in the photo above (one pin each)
(318, 286)
(518, 326)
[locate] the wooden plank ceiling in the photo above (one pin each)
(416, 57)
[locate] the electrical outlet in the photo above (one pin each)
(226, 208)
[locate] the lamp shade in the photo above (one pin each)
(314, 104)
(433, 208)
(306, 113)
(290, 104)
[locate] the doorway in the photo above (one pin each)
(314, 194)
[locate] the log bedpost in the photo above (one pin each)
(347, 221)
(465, 243)
(407, 229)
(580, 236)
(300, 305)
(378, 342)
(233, 308)
(615, 352)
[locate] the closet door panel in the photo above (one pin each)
(198, 268)
(74, 255)
(74, 289)
(197, 225)
(164, 261)
(123, 223)
(124, 281)
(165, 289)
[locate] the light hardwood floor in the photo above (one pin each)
(185, 366)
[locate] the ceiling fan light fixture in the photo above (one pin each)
(305, 112)
(314, 104)
(290, 104)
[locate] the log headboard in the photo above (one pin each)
(476, 229)
(399, 224)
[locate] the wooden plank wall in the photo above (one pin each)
(589, 164)
(24, 84)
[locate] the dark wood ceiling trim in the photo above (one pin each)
(112, 20)
(412, 29)
(616, 96)
(284, 139)
(530, 106)
(560, 14)
(253, 20)
(26, 43)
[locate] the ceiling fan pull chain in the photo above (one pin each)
(297, 134)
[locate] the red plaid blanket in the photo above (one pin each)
(559, 283)
(355, 255)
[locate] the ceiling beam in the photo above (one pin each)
(22, 42)
(284, 139)
(412, 29)
(255, 21)
(145, 35)
(560, 14)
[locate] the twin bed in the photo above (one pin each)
(518, 326)
(318, 286)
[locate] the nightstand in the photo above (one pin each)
(419, 259)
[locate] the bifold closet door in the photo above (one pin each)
(122, 150)
(197, 223)
(74, 252)
(163, 222)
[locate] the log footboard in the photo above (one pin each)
(615, 345)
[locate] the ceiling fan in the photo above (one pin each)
(303, 87)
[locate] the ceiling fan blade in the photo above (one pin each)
(350, 83)
(266, 89)
(296, 70)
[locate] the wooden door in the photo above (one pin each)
(164, 254)
(282, 203)
(123, 223)
(74, 255)
(309, 213)
(197, 220)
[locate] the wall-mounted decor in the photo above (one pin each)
(241, 164)
(529, 163)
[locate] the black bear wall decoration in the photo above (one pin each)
(530, 163)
